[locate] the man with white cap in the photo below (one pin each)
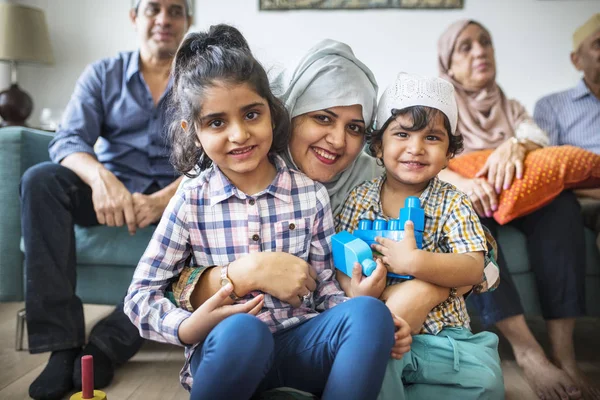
(127, 180)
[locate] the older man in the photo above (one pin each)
(121, 103)
(573, 117)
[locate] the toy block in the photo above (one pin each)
(356, 247)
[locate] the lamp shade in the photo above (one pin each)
(24, 35)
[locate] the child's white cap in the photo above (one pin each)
(415, 90)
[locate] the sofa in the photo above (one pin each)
(106, 257)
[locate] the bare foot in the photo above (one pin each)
(547, 381)
(590, 390)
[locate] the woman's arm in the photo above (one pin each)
(480, 192)
(282, 275)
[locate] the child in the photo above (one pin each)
(246, 200)
(416, 137)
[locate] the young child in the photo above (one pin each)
(415, 138)
(246, 200)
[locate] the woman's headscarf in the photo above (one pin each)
(329, 75)
(486, 118)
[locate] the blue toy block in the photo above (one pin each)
(350, 248)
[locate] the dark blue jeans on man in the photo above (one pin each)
(53, 200)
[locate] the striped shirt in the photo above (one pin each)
(571, 117)
(451, 226)
(211, 222)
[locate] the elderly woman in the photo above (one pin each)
(489, 120)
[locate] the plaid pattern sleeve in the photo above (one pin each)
(328, 293)
(146, 305)
(347, 219)
(463, 232)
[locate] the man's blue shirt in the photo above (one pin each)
(112, 104)
(571, 117)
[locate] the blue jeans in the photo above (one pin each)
(340, 354)
(53, 200)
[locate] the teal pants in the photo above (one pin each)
(454, 364)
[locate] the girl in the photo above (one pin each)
(416, 137)
(247, 201)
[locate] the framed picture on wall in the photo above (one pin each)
(357, 4)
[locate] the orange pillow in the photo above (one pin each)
(548, 171)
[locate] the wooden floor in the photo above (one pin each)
(153, 373)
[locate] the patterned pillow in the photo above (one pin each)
(548, 172)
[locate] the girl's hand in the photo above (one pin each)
(481, 194)
(503, 165)
(214, 310)
(373, 285)
(402, 338)
(400, 256)
(286, 277)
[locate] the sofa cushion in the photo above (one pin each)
(111, 245)
(104, 245)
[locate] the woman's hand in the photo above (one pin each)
(284, 276)
(504, 164)
(214, 310)
(481, 194)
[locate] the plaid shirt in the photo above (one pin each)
(451, 226)
(211, 222)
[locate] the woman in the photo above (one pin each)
(488, 120)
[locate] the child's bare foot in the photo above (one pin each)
(589, 390)
(547, 381)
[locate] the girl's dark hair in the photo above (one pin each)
(220, 55)
(422, 117)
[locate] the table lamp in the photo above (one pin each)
(24, 38)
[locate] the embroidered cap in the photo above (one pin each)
(415, 90)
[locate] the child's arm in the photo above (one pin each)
(145, 304)
(463, 236)
(328, 292)
(214, 310)
(358, 285)
(413, 300)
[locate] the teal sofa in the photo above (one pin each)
(106, 257)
